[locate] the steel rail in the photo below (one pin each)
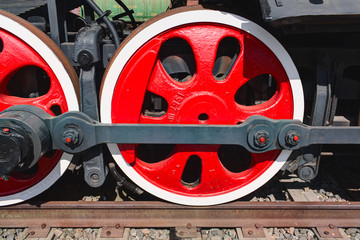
(159, 214)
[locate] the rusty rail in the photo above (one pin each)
(118, 215)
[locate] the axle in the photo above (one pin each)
(28, 132)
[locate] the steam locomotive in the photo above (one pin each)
(199, 105)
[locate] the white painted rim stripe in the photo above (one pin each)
(64, 79)
(184, 18)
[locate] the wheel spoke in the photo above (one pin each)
(214, 175)
(278, 107)
(203, 45)
(11, 60)
(4, 104)
(54, 96)
(161, 84)
(166, 172)
(127, 106)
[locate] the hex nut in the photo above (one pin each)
(261, 138)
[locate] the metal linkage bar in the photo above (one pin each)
(257, 134)
(87, 54)
(75, 132)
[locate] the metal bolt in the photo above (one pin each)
(306, 173)
(188, 225)
(250, 232)
(94, 177)
(257, 225)
(181, 233)
(261, 138)
(32, 233)
(117, 226)
(308, 157)
(43, 225)
(108, 233)
(326, 232)
(331, 226)
(85, 58)
(292, 138)
(71, 137)
(4, 177)
(5, 131)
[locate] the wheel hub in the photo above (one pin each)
(201, 108)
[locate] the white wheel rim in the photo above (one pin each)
(175, 20)
(72, 102)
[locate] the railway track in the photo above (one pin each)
(249, 218)
(284, 208)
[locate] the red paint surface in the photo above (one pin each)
(202, 94)
(16, 55)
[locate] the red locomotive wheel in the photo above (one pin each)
(199, 67)
(33, 72)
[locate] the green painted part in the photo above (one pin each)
(143, 9)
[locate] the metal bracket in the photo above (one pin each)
(187, 233)
(253, 232)
(112, 232)
(309, 160)
(327, 232)
(87, 54)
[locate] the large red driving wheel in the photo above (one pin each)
(197, 66)
(33, 71)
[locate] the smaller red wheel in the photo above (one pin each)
(33, 71)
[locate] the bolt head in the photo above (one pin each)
(306, 173)
(94, 177)
(292, 138)
(85, 58)
(5, 131)
(71, 137)
(4, 177)
(261, 138)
